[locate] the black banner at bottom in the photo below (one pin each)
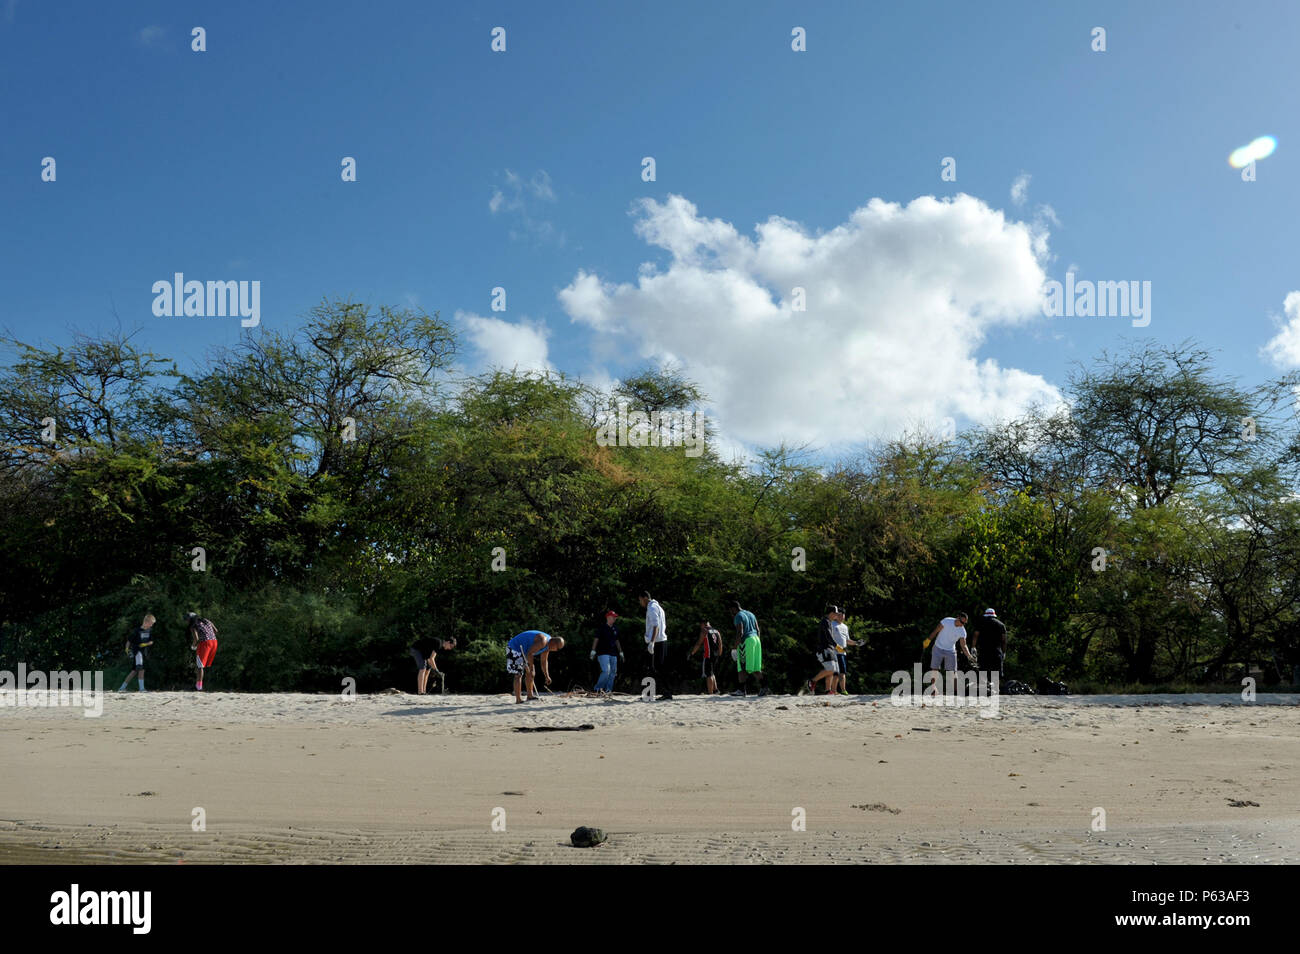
(339, 903)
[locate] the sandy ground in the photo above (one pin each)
(400, 778)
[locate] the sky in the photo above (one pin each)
(839, 243)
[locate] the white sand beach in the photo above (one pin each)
(398, 778)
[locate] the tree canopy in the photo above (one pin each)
(328, 494)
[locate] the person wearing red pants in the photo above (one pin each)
(203, 640)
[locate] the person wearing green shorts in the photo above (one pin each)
(748, 651)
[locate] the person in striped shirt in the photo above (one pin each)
(203, 640)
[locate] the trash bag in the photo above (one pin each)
(1047, 687)
(585, 837)
(1014, 687)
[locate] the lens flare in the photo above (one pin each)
(1261, 148)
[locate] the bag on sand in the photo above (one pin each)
(585, 837)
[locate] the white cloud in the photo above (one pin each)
(508, 345)
(1020, 188)
(151, 35)
(899, 299)
(1283, 349)
(521, 200)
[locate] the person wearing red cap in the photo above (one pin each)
(607, 651)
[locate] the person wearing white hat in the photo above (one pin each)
(992, 632)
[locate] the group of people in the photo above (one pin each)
(203, 643)
(747, 650)
(531, 649)
(982, 646)
(949, 637)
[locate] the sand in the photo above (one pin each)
(399, 778)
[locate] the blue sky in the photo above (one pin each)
(522, 169)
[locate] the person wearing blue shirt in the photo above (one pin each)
(520, 653)
(748, 651)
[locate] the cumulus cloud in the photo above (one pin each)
(1283, 349)
(521, 202)
(1020, 188)
(508, 345)
(898, 302)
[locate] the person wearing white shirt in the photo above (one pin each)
(948, 637)
(656, 643)
(842, 643)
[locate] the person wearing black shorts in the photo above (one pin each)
(425, 653)
(137, 647)
(710, 642)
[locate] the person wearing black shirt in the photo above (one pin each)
(990, 639)
(607, 650)
(137, 648)
(826, 654)
(425, 653)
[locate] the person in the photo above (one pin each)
(948, 637)
(520, 653)
(710, 642)
(607, 650)
(826, 654)
(425, 653)
(203, 640)
(137, 647)
(992, 633)
(842, 644)
(748, 650)
(656, 644)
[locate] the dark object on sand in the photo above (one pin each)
(554, 728)
(585, 837)
(1047, 687)
(1014, 687)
